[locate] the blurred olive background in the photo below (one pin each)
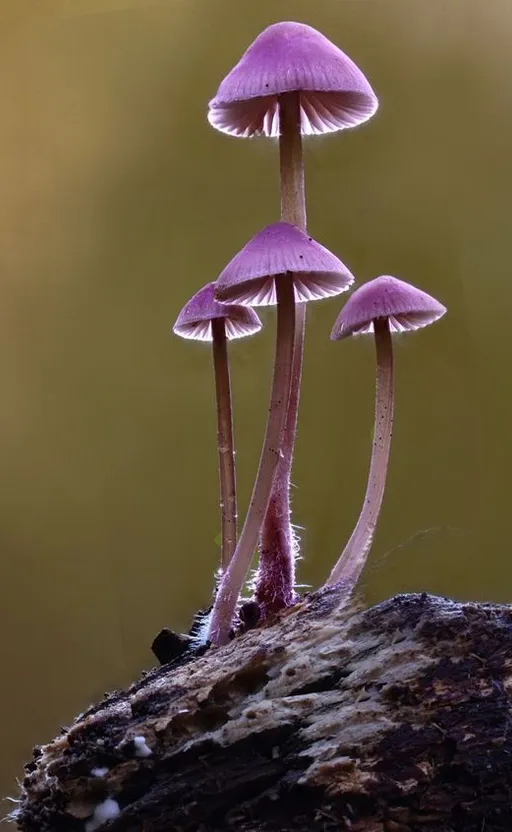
(118, 201)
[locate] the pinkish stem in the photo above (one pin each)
(351, 562)
(233, 579)
(275, 579)
(225, 445)
(291, 161)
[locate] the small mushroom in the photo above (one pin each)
(281, 264)
(382, 306)
(204, 319)
(291, 81)
(292, 57)
(281, 253)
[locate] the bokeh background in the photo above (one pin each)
(117, 202)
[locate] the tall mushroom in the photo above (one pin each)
(204, 319)
(290, 81)
(382, 306)
(280, 264)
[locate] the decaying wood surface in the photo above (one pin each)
(391, 719)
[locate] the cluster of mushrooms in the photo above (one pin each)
(291, 81)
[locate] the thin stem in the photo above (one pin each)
(275, 579)
(291, 161)
(351, 562)
(276, 571)
(225, 446)
(233, 579)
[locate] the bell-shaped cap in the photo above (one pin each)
(195, 319)
(404, 306)
(281, 250)
(292, 57)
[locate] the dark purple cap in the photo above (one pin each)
(281, 249)
(292, 57)
(405, 307)
(195, 319)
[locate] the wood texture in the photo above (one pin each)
(391, 719)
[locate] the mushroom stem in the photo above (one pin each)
(291, 161)
(233, 579)
(351, 562)
(275, 579)
(225, 446)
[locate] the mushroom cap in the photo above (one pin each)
(281, 249)
(405, 306)
(292, 57)
(195, 319)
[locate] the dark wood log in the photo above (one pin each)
(391, 719)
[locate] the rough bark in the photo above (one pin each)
(391, 719)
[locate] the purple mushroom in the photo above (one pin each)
(291, 57)
(291, 81)
(382, 306)
(203, 319)
(279, 265)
